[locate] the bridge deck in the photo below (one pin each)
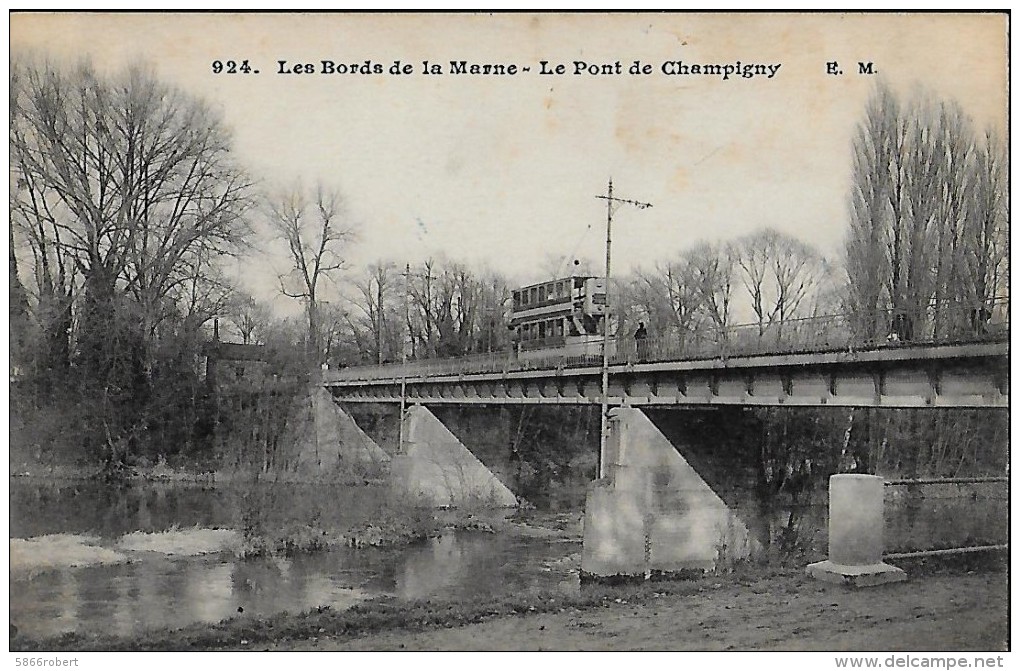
(961, 375)
(806, 362)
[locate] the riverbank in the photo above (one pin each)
(791, 613)
(960, 607)
(161, 472)
(272, 516)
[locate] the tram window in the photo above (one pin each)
(560, 290)
(533, 295)
(541, 330)
(541, 293)
(517, 299)
(578, 282)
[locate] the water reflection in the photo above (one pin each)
(38, 508)
(157, 592)
(466, 565)
(437, 565)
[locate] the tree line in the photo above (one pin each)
(128, 207)
(125, 199)
(929, 219)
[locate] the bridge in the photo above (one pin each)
(946, 360)
(650, 510)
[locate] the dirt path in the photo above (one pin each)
(945, 612)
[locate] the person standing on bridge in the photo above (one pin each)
(640, 337)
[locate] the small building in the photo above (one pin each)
(234, 364)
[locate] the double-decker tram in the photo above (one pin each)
(566, 315)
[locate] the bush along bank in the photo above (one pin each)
(390, 523)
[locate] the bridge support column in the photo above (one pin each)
(856, 507)
(436, 467)
(653, 512)
(326, 442)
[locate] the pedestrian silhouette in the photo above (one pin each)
(979, 318)
(640, 337)
(902, 327)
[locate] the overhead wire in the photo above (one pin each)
(567, 258)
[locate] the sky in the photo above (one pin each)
(502, 172)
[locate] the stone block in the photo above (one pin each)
(856, 525)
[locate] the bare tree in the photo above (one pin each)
(421, 315)
(454, 310)
(712, 270)
(316, 233)
(754, 255)
(127, 196)
(495, 292)
(926, 212)
(250, 317)
(797, 268)
(875, 144)
(779, 272)
(671, 297)
(129, 178)
(377, 295)
(986, 227)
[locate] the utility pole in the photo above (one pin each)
(403, 357)
(382, 312)
(611, 204)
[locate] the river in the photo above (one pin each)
(141, 589)
(147, 589)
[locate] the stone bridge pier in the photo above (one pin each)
(653, 513)
(436, 468)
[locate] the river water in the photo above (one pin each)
(148, 589)
(156, 590)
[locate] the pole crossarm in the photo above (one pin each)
(624, 201)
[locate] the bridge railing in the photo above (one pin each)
(933, 324)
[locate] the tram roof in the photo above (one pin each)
(560, 279)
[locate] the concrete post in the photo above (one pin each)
(856, 527)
